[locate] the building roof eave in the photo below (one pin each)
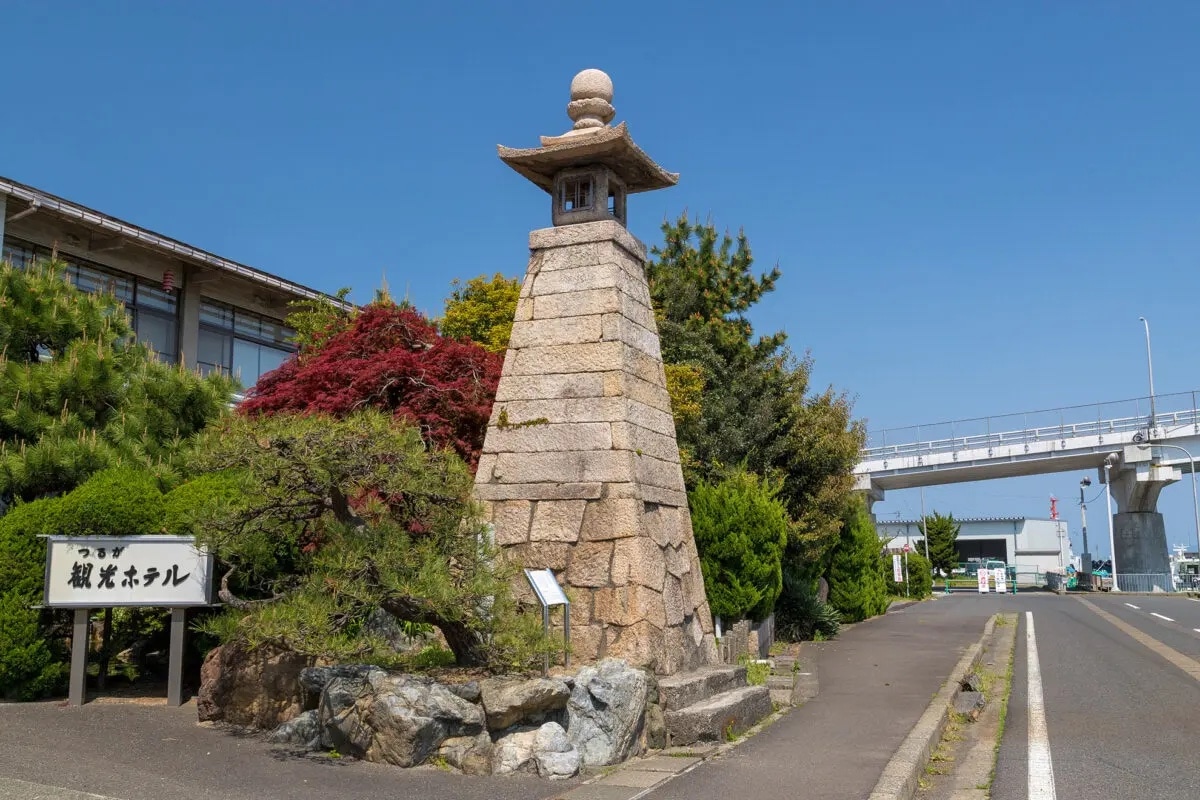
(89, 217)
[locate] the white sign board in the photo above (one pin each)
(546, 586)
(897, 569)
(107, 571)
(984, 574)
(1001, 580)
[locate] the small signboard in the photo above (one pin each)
(897, 569)
(984, 574)
(89, 572)
(111, 571)
(1001, 580)
(545, 585)
(549, 593)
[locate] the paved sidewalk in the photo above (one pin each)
(876, 680)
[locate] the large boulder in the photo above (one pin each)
(257, 687)
(554, 754)
(471, 755)
(396, 719)
(513, 752)
(508, 701)
(304, 730)
(606, 710)
(315, 679)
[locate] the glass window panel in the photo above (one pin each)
(19, 255)
(151, 296)
(157, 331)
(93, 280)
(212, 351)
(270, 358)
(246, 362)
(216, 314)
(247, 324)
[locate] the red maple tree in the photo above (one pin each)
(391, 358)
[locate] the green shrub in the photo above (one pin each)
(22, 553)
(114, 502)
(920, 577)
(741, 531)
(185, 506)
(800, 615)
(856, 587)
(29, 666)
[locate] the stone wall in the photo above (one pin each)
(580, 471)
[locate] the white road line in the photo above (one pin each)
(1160, 616)
(1197, 630)
(1041, 767)
(1131, 605)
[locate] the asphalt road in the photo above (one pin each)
(1121, 720)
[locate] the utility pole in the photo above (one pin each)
(1086, 561)
(924, 530)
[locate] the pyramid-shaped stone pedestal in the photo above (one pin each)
(580, 470)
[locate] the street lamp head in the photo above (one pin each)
(1086, 481)
(1111, 459)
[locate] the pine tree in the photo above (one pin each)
(943, 542)
(77, 395)
(856, 585)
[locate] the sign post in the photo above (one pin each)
(897, 570)
(1001, 574)
(549, 593)
(984, 574)
(89, 572)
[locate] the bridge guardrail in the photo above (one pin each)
(1172, 412)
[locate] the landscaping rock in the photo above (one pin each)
(514, 753)
(397, 719)
(509, 701)
(655, 727)
(606, 711)
(720, 717)
(304, 730)
(973, 682)
(969, 704)
(470, 754)
(468, 691)
(315, 679)
(258, 688)
(556, 757)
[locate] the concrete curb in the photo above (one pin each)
(900, 778)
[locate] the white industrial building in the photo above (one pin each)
(1031, 545)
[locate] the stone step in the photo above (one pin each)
(781, 681)
(782, 664)
(688, 688)
(720, 717)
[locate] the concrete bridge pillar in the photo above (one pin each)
(871, 493)
(1139, 535)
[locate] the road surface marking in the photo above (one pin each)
(1160, 616)
(1131, 605)
(1189, 665)
(1197, 630)
(1041, 767)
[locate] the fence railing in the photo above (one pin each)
(1149, 582)
(1172, 412)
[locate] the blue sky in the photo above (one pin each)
(971, 203)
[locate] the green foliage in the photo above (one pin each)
(114, 502)
(942, 532)
(482, 310)
(856, 586)
(757, 671)
(920, 577)
(340, 517)
(747, 399)
(315, 321)
(741, 532)
(78, 395)
(30, 667)
(187, 505)
(800, 615)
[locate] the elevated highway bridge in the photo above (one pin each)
(1145, 445)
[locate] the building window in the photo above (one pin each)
(240, 343)
(153, 312)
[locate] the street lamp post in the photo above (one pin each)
(1150, 366)
(1195, 505)
(1112, 547)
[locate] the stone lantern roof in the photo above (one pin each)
(591, 142)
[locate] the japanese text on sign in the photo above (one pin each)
(97, 572)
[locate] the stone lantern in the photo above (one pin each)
(589, 170)
(580, 470)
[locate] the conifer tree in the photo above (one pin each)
(856, 586)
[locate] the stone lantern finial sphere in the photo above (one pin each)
(591, 100)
